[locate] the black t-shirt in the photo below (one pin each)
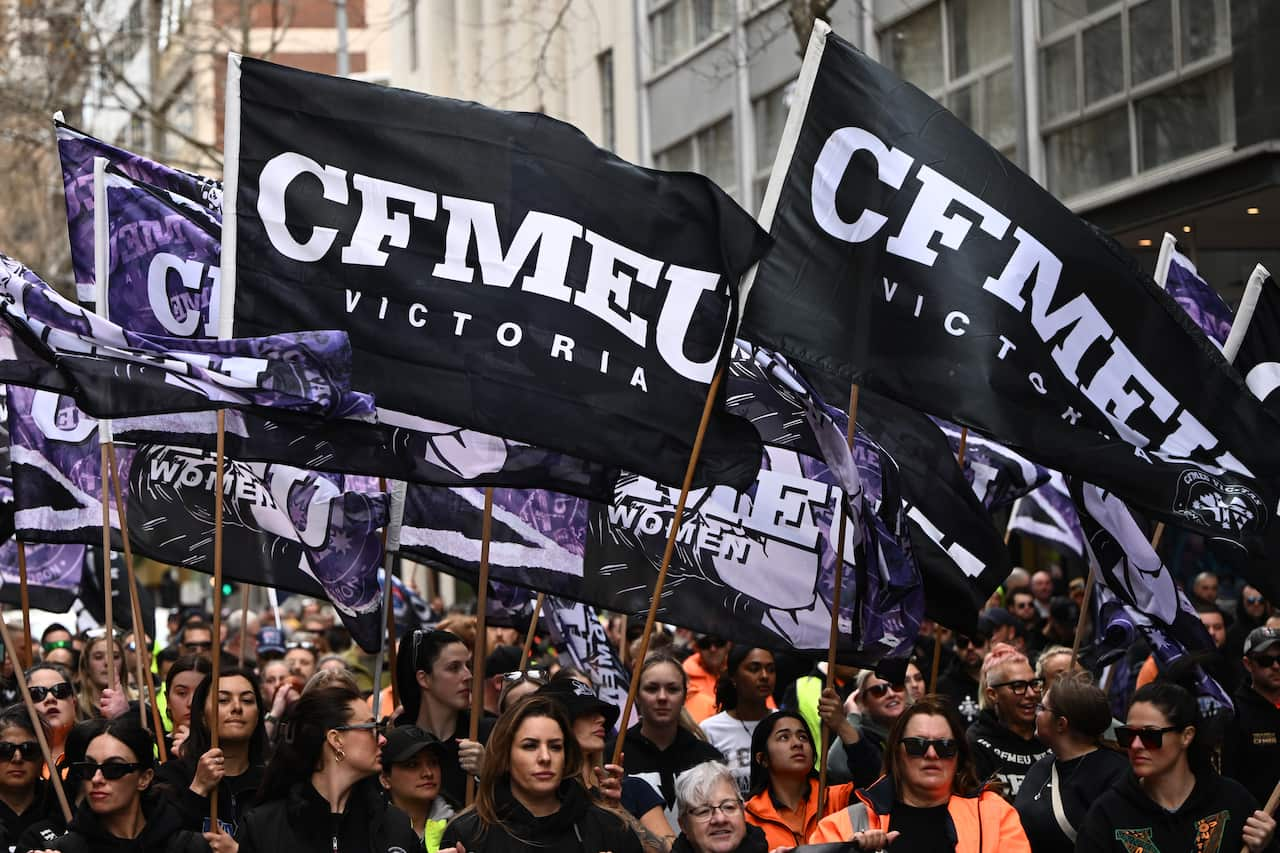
(1082, 780)
(924, 830)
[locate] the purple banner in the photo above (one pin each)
(1201, 302)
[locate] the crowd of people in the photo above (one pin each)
(1017, 747)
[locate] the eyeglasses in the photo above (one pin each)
(530, 674)
(26, 751)
(1265, 661)
(63, 690)
(56, 644)
(878, 691)
(1253, 599)
(916, 747)
(1040, 706)
(1019, 687)
(1151, 738)
(728, 808)
(377, 728)
(301, 644)
(112, 770)
(963, 642)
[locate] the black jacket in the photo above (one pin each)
(236, 795)
(753, 842)
(1210, 821)
(1251, 747)
(1080, 782)
(44, 810)
(453, 779)
(962, 689)
(659, 767)
(301, 822)
(579, 826)
(163, 833)
(1000, 753)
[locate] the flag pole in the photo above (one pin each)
(244, 622)
(833, 638)
(219, 465)
(36, 723)
(1088, 594)
(24, 595)
(481, 643)
(1272, 802)
(390, 546)
(937, 644)
(108, 609)
(667, 554)
(101, 270)
(147, 695)
(533, 629)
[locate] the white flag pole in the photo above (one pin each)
(1164, 259)
(1244, 314)
(394, 524)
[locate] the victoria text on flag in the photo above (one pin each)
(495, 270)
(913, 258)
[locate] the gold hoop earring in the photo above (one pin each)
(340, 756)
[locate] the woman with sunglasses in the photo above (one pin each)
(783, 796)
(235, 768)
(858, 750)
(744, 694)
(1003, 738)
(531, 796)
(120, 812)
(1172, 799)
(929, 798)
(320, 792)
(25, 797)
(55, 700)
(1060, 788)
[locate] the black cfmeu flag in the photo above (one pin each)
(911, 257)
(495, 270)
(1258, 359)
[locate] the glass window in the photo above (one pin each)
(1151, 39)
(1058, 79)
(709, 17)
(604, 68)
(1056, 14)
(913, 48)
(1000, 117)
(1088, 154)
(715, 154)
(677, 158)
(1206, 29)
(981, 33)
(963, 102)
(1184, 119)
(770, 118)
(670, 30)
(1103, 72)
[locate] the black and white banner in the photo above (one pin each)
(1258, 355)
(494, 270)
(911, 257)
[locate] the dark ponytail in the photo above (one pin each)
(418, 653)
(301, 739)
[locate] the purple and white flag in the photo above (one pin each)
(578, 635)
(1197, 297)
(999, 475)
(1048, 513)
(53, 575)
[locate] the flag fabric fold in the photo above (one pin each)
(1048, 513)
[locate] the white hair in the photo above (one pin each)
(693, 786)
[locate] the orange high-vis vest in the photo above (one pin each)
(761, 812)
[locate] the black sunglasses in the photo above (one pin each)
(1019, 687)
(1151, 738)
(1265, 661)
(63, 690)
(963, 642)
(1253, 599)
(376, 728)
(878, 691)
(27, 751)
(916, 747)
(204, 647)
(112, 770)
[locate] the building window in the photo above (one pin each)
(770, 117)
(678, 26)
(608, 130)
(413, 34)
(961, 53)
(708, 151)
(1130, 85)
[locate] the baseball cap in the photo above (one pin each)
(404, 742)
(578, 699)
(502, 660)
(270, 641)
(993, 617)
(1261, 639)
(1064, 611)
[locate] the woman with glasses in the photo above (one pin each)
(784, 784)
(120, 812)
(55, 700)
(858, 750)
(25, 797)
(711, 814)
(1003, 738)
(517, 685)
(743, 694)
(1172, 799)
(1060, 788)
(531, 796)
(665, 743)
(319, 793)
(180, 684)
(235, 768)
(929, 798)
(434, 682)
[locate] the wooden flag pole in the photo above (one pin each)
(24, 595)
(667, 554)
(1156, 536)
(533, 629)
(147, 695)
(391, 640)
(937, 642)
(1269, 808)
(219, 465)
(833, 639)
(109, 613)
(481, 645)
(36, 722)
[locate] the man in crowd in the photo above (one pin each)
(502, 660)
(1042, 589)
(960, 682)
(1204, 589)
(236, 635)
(705, 665)
(1251, 612)
(196, 638)
(1022, 604)
(1251, 750)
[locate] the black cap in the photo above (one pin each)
(994, 617)
(1064, 611)
(1261, 639)
(404, 742)
(578, 699)
(502, 660)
